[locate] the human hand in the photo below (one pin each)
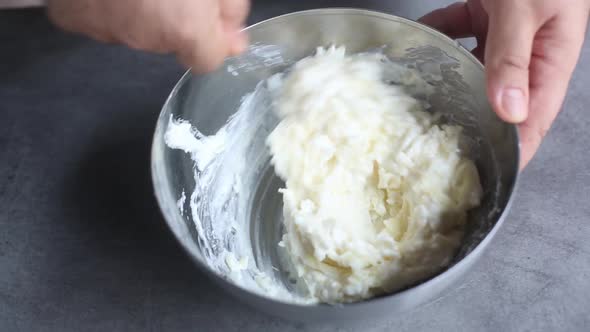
(200, 32)
(530, 48)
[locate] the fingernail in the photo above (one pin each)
(514, 104)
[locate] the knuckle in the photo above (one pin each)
(513, 61)
(551, 56)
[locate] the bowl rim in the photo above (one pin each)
(463, 264)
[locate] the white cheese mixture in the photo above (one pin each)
(376, 191)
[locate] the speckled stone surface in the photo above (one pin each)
(84, 248)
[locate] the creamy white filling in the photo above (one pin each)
(376, 191)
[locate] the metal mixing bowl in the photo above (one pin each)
(458, 79)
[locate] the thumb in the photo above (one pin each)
(509, 43)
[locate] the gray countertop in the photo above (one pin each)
(83, 246)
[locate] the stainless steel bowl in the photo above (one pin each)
(458, 78)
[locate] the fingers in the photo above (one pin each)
(239, 42)
(234, 14)
(555, 53)
(201, 33)
(545, 104)
(460, 20)
(218, 35)
(234, 11)
(511, 31)
(203, 51)
(454, 20)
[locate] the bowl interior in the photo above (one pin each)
(455, 77)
